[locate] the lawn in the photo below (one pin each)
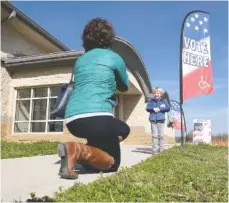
(195, 174)
(20, 149)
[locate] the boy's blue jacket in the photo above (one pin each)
(162, 105)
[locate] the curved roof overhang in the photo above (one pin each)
(134, 63)
(122, 47)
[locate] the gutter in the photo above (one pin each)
(58, 58)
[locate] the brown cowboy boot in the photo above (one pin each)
(71, 152)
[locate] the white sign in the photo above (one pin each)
(202, 131)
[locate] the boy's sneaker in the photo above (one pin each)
(154, 152)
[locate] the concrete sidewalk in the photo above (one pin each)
(20, 176)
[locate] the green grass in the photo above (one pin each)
(196, 174)
(19, 149)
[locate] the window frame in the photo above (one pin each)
(46, 121)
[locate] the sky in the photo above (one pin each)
(153, 28)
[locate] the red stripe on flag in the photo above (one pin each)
(198, 82)
(177, 125)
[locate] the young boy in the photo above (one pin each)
(157, 107)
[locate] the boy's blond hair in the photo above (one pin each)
(154, 90)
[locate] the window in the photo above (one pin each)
(32, 112)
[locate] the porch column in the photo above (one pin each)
(121, 112)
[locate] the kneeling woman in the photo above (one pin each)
(89, 112)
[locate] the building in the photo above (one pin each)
(34, 65)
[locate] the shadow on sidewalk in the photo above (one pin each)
(144, 150)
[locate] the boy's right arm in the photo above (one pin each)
(150, 107)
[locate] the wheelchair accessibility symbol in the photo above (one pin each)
(202, 83)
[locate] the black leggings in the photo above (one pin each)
(101, 132)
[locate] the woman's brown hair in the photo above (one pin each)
(98, 33)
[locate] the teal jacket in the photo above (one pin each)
(97, 75)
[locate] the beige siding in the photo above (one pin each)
(134, 111)
(13, 41)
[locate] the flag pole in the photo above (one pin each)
(181, 74)
(181, 78)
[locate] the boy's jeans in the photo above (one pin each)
(157, 136)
